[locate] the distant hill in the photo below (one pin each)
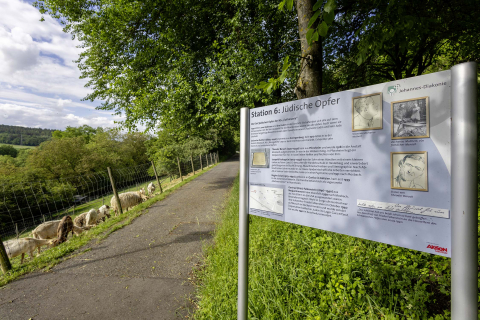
(23, 135)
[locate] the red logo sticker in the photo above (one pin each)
(437, 248)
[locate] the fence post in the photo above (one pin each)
(119, 205)
(4, 261)
(211, 160)
(179, 169)
(218, 157)
(193, 168)
(206, 157)
(16, 230)
(201, 164)
(156, 176)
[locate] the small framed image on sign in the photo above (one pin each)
(367, 112)
(410, 118)
(409, 170)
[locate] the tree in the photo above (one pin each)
(8, 151)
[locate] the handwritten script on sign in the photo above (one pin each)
(396, 207)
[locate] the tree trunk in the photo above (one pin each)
(309, 83)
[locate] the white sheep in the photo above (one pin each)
(91, 217)
(128, 199)
(21, 246)
(103, 212)
(151, 188)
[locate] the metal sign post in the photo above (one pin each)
(242, 310)
(464, 192)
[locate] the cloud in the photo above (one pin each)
(61, 102)
(40, 117)
(38, 55)
(17, 51)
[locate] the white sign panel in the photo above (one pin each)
(372, 162)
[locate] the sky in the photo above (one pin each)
(39, 82)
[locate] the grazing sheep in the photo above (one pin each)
(21, 246)
(128, 199)
(48, 230)
(103, 212)
(91, 217)
(80, 220)
(151, 188)
(64, 227)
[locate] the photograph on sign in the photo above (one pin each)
(410, 118)
(409, 170)
(259, 158)
(266, 199)
(367, 112)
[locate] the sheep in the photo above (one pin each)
(91, 217)
(103, 212)
(80, 220)
(48, 230)
(21, 246)
(64, 227)
(128, 199)
(151, 188)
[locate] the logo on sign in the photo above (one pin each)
(392, 89)
(437, 248)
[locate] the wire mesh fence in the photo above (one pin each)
(25, 205)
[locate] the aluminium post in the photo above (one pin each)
(112, 181)
(242, 305)
(179, 169)
(156, 177)
(464, 192)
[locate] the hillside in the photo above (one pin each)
(24, 136)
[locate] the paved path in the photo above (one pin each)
(138, 272)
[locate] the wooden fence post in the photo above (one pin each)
(201, 164)
(206, 157)
(179, 169)
(193, 168)
(119, 205)
(4, 261)
(156, 176)
(211, 159)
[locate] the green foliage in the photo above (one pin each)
(6, 150)
(297, 272)
(24, 136)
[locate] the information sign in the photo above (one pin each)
(373, 162)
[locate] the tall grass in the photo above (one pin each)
(298, 272)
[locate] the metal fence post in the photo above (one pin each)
(179, 169)
(4, 261)
(112, 181)
(156, 176)
(464, 192)
(242, 307)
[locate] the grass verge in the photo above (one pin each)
(298, 272)
(51, 257)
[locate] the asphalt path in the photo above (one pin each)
(141, 271)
